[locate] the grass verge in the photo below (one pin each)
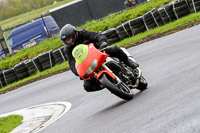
(7, 124)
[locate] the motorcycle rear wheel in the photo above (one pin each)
(142, 84)
(121, 90)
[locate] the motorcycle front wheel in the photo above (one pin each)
(119, 89)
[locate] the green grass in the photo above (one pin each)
(7, 124)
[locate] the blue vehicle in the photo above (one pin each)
(31, 34)
(2, 54)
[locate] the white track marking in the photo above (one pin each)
(38, 117)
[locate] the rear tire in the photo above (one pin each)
(142, 84)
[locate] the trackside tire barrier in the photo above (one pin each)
(112, 36)
(194, 5)
(2, 80)
(137, 25)
(58, 56)
(180, 8)
(167, 14)
(63, 52)
(32, 66)
(46, 60)
(21, 70)
(10, 76)
(152, 19)
(122, 32)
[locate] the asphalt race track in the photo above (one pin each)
(171, 104)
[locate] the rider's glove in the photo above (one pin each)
(103, 45)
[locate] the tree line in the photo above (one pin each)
(11, 8)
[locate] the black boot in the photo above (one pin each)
(117, 52)
(131, 64)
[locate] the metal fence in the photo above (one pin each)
(79, 12)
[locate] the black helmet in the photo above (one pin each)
(67, 32)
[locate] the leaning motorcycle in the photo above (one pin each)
(114, 75)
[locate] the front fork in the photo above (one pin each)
(108, 71)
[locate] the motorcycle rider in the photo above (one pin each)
(71, 37)
(129, 3)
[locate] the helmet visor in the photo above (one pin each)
(69, 39)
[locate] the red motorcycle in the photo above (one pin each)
(114, 75)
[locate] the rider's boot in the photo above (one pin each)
(130, 61)
(131, 64)
(123, 55)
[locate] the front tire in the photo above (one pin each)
(121, 90)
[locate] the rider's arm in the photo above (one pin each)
(95, 37)
(71, 60)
